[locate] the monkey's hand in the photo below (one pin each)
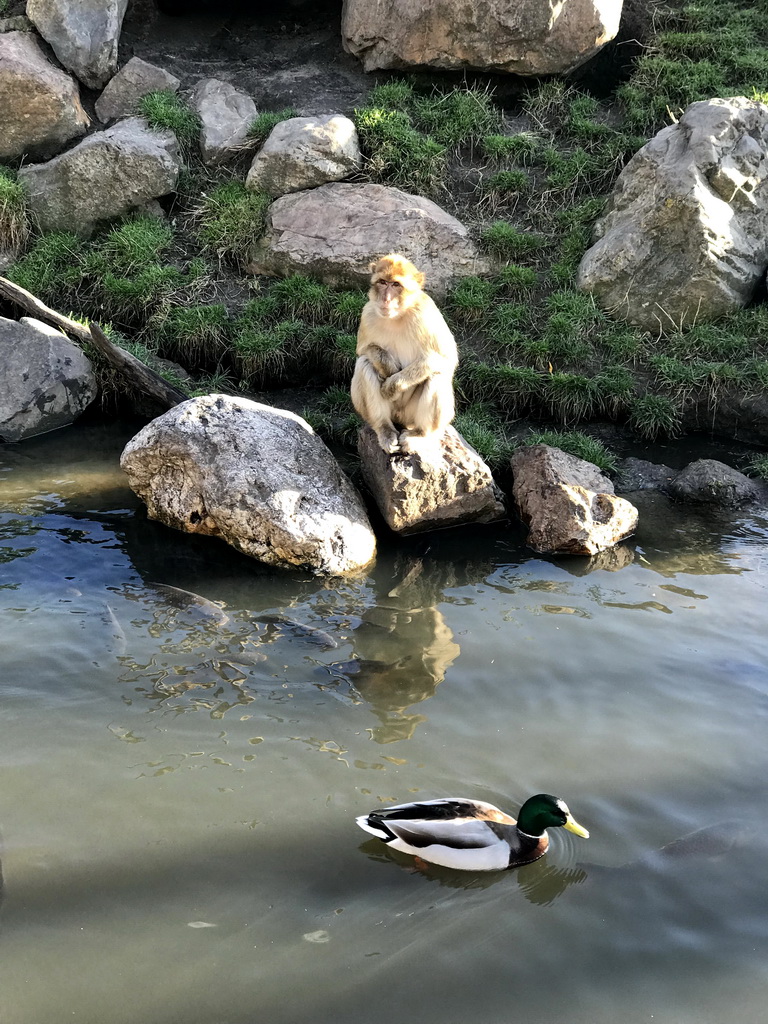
(394, 386)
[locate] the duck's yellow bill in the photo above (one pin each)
(576, 828)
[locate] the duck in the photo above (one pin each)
(471, 835)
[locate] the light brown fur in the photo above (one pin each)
(406, 355)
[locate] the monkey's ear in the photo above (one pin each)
(419, 278)
(372, 266)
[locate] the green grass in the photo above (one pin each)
(505, 241)
(194, 333)
(14, 225)
(52, 269)
(479, 426)
(708, 48)
(164, 109)
(578, 444)
(652, 416)
(260, 128)
(396, 153)
(509, 182)
(522, 147)
(231, 219)
(757, 466)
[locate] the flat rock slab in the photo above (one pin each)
(257, 477)
(334, 231)
(447, 485)
(567, 503)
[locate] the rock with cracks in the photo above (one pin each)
(528, 37)
(334, 231)
(40, 108)
(257, 477)
(83, 34)
(567, 503)
(47, 379)
(447, 485)
(685, 235)
(105, 176)
(304, 152)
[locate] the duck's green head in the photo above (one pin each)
(544, 811)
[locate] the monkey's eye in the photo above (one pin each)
(397, 284)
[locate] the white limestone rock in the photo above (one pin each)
(304, 152)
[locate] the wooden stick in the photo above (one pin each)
(139, 375)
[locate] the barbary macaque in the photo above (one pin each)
(406, 355)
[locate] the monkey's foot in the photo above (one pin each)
(388, 441)
(413, 442)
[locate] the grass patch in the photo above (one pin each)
(14, 225)
(231, 218)
(505, 241)
(652, 416)
(165, 109)
(479, 426)
(758, 466)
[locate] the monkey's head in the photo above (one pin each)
(395, 285)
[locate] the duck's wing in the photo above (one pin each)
(444, 809)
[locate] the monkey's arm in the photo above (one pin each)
(380, 360)
(415, 373)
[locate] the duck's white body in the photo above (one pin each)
(468, 835)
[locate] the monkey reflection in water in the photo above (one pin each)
(406, 356)
(403, 649)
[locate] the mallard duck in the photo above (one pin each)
(469, 834)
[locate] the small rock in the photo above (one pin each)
(133, 81)
(709, 482)
(639, 475)
(304, 152)
(446, 485)
(226, 113)
(47, 379)
(567, 503)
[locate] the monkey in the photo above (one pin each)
(402, 384)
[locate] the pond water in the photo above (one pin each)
(179, 780)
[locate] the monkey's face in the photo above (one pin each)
(391, 297)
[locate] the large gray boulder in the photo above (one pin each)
(528, 37)
(40, 108)
(83, 34)
(334, 231)
(133, 81)
(47, 380)
(105, 176)
(446, 485)
(226, 113)
(304, 152)
(685, 235)
(568, 505)
(710, 482)
(257, 477)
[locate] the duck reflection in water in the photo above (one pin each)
(403, 647)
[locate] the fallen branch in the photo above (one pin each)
(138, 374)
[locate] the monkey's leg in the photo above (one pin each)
(372, 406)
(428, 411)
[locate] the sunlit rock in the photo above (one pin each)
(304, 152)
(685, 235)
(528, 37)
(567, 503)
(447, 484)
(257, 477)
